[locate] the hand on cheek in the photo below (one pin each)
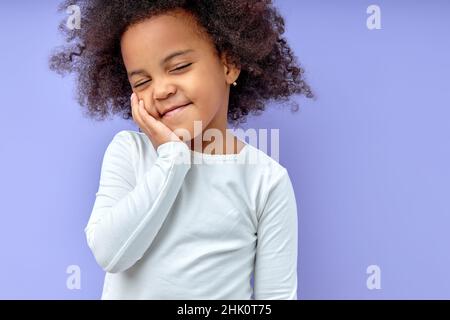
(150, 109)
(157, 132)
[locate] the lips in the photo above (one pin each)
(173, 109)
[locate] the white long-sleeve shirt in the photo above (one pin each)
(173, 223)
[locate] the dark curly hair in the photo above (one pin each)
(249, 31)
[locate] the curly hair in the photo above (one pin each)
(248, 31)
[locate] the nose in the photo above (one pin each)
(162, 89)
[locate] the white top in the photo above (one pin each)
(166, 225)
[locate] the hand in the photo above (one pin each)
(157, 132)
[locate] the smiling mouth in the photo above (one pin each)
(175, 111)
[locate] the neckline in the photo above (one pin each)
(224, 156)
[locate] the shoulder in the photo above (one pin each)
(123, 145)
(135, 141)
(274, 182)
(134, 146)
(120, 142)
(126, 136)
(270, 165)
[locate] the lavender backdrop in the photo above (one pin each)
(369, 159)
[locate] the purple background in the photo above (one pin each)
(369, 159)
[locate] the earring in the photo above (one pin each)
(235, 83)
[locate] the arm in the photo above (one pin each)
(276, 252)
(126, 217)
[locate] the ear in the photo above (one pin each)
(231, 71)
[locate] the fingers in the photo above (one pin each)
(150, 110)
(146, 117)
(155, 129)
(134, 110)
(141, 115)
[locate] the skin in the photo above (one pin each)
(205, 81)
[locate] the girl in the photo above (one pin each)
(162, 225)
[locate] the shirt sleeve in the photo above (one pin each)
(275, 274)
(127, 216)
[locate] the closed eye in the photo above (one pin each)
(182, 67)
(179, 68)
(140, 84)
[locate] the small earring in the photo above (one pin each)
(235, 83)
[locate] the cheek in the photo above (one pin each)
(206, 109)
(208, 86)
(206, 89)
(210, 99)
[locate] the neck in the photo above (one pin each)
(225, 143)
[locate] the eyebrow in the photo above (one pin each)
(167, 58)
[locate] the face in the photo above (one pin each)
(170, 64)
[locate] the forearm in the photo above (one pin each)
(121, 231)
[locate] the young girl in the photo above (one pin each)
(163, 225)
